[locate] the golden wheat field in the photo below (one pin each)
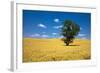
(37, 50)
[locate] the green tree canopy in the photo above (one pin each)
(69, 30)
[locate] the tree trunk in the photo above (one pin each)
(67, 44)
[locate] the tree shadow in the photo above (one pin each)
(72, 45)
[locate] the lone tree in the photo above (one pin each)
(69, 31)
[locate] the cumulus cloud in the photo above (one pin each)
(61, 37)
(81, 35)
(81, 28)
(54, 33)
(36, 35)
(44, 36)
(56, 20)
(43, 32)
(57, 27)
(83, 38)
(42, 26)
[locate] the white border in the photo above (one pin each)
(17, 40)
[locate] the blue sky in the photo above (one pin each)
(47, 24)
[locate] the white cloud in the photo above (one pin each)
(61, 37)
(54, 33)
(43, 32)
(56, 20)
(44, 36)
(57, 27)
(42, 26)
(81, 35)
(35, 35)
(81, 28)
(83, 38)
